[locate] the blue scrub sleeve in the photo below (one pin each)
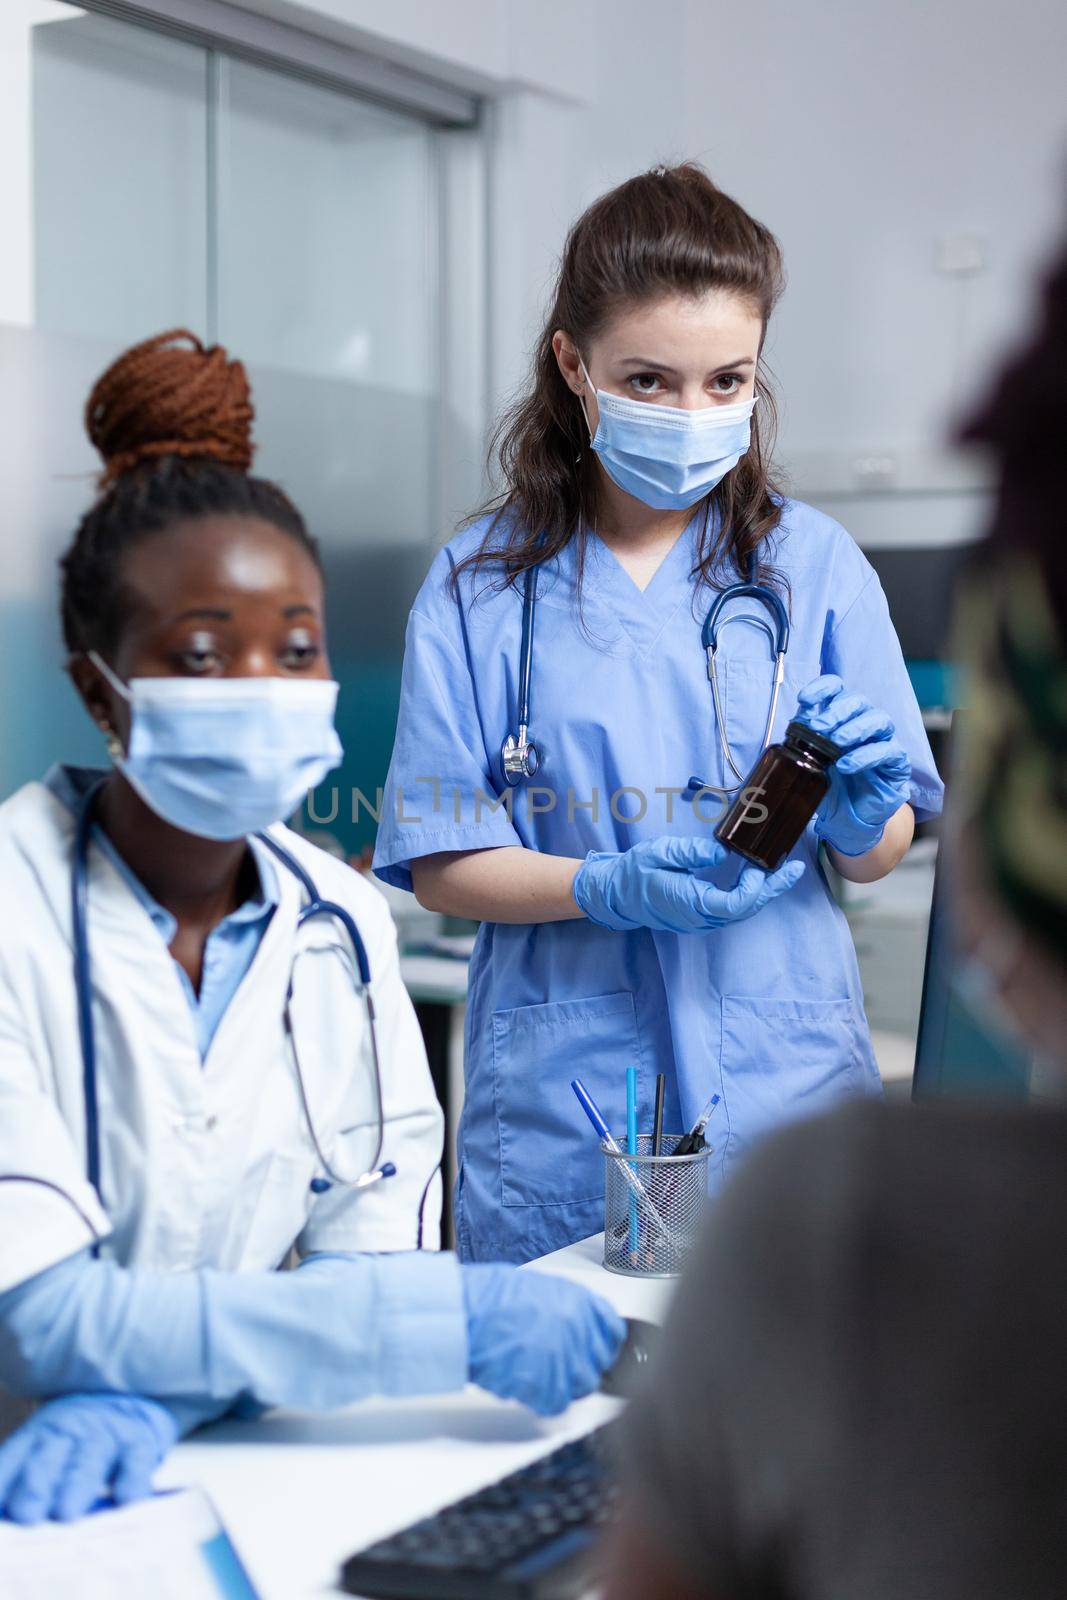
(442, 792)
(334, 1331)
(864, 651)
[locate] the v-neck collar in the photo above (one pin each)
(643, 614)
(685, 536)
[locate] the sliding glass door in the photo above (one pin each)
(156, 183)
(328, 246)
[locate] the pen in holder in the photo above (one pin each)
(669, 1196)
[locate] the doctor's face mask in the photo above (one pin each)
(675, 394)
(224, 757)
(665, 456)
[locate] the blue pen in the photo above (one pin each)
(592, 1111)
(631, 1145)
(691, 1143)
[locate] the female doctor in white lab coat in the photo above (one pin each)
(198, 1098)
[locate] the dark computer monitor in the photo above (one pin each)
(919, 584)
(959, 1050)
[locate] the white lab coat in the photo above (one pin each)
(204, 1164)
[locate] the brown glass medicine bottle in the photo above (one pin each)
(779, 797)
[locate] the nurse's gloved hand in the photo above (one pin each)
(537, 1339)
(870, 781)
(651, 885)
(80, 1449)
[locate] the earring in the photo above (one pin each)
(114, 743)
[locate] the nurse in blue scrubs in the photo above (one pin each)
(636, 487)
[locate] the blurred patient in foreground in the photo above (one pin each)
(862, 1394)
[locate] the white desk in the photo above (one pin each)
(299, 1492)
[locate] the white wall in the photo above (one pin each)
(16, 167)
(868, 137)
(582, 92)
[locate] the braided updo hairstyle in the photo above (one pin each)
(172, 421)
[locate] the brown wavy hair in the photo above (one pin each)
(668, 231)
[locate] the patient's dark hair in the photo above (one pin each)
(172, 421)
(1023, 419)
(1012, 636)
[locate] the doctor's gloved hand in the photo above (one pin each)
(651, 885)
(870, 781)
(80, 1449)
(537, 1339)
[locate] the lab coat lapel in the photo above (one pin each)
(124, 944)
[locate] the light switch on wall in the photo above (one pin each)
(960, 255)
(875, 471)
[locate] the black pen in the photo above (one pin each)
(657, 1116)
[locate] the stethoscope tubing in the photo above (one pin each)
(79, 893)
(738, 591)
(316, 906)
(519, 757)
(529, 607)
(515, 762)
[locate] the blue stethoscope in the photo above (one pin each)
(520, 756)
(314, 907)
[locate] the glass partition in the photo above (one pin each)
(328, 246)
(150, 183)
(105, 187)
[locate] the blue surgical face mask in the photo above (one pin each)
(663, 455)
(224, 757)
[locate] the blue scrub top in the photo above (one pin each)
(768, 1012)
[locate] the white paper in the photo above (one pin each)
(156, 1547)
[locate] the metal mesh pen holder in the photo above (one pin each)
(653, 1207)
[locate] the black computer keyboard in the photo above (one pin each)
(531, 1536)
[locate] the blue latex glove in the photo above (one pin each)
(537, 1339)
(651, 885)
(867, 784)
(80, 1449)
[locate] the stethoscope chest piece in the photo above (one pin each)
(519, 758)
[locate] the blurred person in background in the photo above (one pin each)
(862, 1392)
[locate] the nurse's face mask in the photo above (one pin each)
(224, 757)
(666, 456)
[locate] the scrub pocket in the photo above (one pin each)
(549, 1154)
(783, 1059)
(745, 692)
